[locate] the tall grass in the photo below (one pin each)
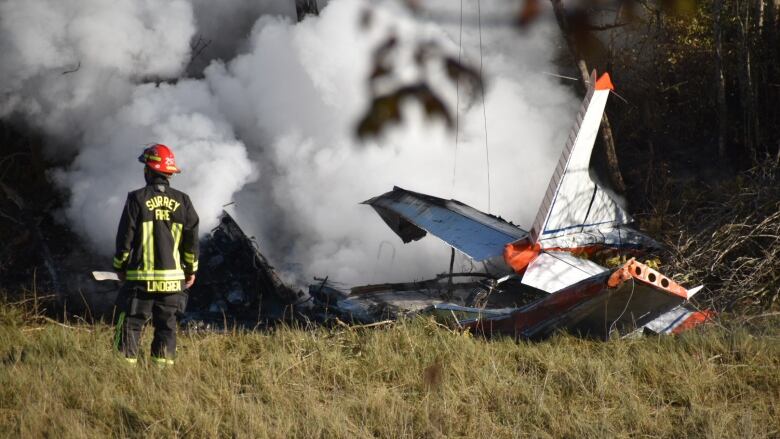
(412, 379)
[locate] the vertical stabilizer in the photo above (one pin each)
(573, 201)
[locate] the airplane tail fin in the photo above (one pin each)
(573, 201)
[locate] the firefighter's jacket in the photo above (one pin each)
(157, 240)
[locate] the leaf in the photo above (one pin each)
(383, 109)
(366, 18)
(386, 109)
(528, 13)
(459, 72)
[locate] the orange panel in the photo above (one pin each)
(519, 254)
(643, 273)
(695, 319)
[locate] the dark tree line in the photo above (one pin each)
(701, 78)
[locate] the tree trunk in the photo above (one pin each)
(746, 85)
(720, 82)
(771, 93)
(606, 129)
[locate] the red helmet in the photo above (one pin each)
(159, 157)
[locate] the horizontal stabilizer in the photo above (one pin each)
(477, 234)
(677, 320)
(553, 271)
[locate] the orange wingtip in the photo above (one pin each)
(604, 83)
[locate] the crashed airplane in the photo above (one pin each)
(548, 278)
(535, 282)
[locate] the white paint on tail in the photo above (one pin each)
(573, 202)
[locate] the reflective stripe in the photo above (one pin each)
(131, 360)
(147, 244)
(118, 263)
(192, 263)
(144, 247)
(155, 274)
(118, 330)
(152, 157)
(176, 231)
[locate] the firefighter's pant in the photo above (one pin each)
(135, 308)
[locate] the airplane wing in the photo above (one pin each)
(411, 215)
(573, 202)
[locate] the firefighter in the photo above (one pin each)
(156, 257)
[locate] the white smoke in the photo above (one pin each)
(299, 92)
(223, 26)
(67, 63)
(215, 165)
(80, 71)
(273, 127)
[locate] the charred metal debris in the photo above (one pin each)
(237, 287)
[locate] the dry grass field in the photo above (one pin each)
(411, 379)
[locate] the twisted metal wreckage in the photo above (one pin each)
(535, 282)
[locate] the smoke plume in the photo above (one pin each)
(265, 117)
